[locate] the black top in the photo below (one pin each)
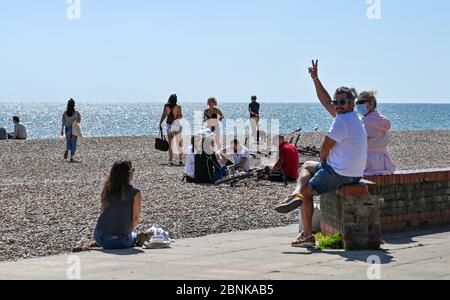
(213, 116)
(116, 219)
(254, 106)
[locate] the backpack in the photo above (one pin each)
(3, 134)
(205, 167)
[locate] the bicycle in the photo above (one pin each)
(311, 151)
(239, 177)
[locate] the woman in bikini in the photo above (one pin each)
(213, 116)
(173, 114)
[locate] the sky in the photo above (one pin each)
(145, 50)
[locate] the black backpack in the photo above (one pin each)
(205, 167)
(3, 134)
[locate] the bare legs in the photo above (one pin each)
(307, 210)
(171, 136)
(179, 146)
(179, 141)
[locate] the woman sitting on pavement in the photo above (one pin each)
(120, 209)
(377, 127)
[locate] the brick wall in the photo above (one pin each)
(353, 213)
(413, 199)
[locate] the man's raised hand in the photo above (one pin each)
(314, 70)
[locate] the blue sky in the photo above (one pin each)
(144, 50)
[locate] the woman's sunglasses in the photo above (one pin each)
(341, 102)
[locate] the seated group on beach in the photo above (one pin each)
(19, 133)
(352, 149)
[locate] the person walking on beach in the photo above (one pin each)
(70, 116)
(253, 109)
(343, 157)
(20, 132)
(120, 209)
(173, 114)
(213, 116)
(379, 160)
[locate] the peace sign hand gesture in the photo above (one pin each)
(314, 70)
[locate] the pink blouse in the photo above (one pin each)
(379, 160)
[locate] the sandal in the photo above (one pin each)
(290, 204)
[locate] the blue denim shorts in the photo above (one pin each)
(326, 180)
(110, 243)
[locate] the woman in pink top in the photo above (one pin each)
(377, 126)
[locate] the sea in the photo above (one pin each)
(43, 120)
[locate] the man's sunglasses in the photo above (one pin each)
(341, 102)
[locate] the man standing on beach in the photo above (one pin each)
(253, 109)
(343, 157)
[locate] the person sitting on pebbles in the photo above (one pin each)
(120, 210)
(241, 157)
(287, 163)
(343, 158)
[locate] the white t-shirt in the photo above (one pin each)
(243, 153)
(189, 168)
(349, 156)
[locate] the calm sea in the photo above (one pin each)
(43, 120)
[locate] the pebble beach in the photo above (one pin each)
(48, 206)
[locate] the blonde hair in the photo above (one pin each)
(213, 101)
(370, 96)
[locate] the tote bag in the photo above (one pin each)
(161, 144)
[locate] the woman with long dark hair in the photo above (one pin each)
(173, 114)
(69, 117)
(120, 209)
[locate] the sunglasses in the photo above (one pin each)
(341, 102)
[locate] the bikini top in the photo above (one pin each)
(213, 116)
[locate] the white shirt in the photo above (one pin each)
(243, 153)
(349, 156)
(189, 168)
(20, 132)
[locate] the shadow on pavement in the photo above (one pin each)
(407, 237)
(382, 257)
(122, 252)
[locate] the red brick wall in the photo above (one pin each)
(413, 199)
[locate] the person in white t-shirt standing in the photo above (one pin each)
(343, 157)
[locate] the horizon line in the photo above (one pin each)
(198, 102)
